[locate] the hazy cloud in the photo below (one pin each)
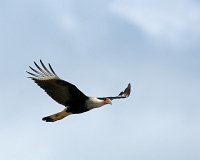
(176, 21)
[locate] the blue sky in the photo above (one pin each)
(101, 46)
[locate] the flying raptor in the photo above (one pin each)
(68, 94)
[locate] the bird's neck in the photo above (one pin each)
(94, 102)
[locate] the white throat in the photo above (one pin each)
(94, 102)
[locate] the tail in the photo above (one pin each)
(56, 116)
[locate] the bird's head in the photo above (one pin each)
(107, 101)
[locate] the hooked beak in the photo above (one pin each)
(107, 101)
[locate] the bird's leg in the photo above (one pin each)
(56, 116)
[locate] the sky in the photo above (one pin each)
(101, 46)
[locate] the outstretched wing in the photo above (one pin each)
(123, 94)
(61, 91)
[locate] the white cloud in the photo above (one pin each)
(171, 20)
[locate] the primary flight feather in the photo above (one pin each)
(68, 94)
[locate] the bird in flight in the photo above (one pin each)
(68, 94)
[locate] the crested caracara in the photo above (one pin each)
(68, 94)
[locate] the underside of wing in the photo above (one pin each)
(61, 91)
(123, 94)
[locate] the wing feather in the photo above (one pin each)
(61, 91)
(52, 70)
(123, 94)
(45, 68)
